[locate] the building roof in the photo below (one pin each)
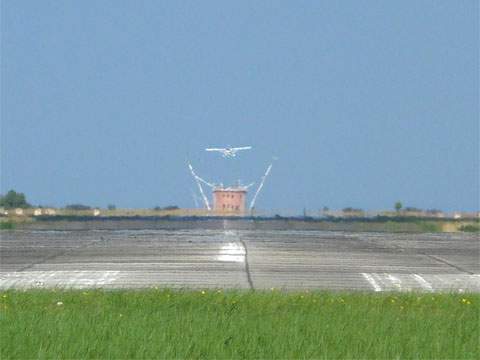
(230, 189)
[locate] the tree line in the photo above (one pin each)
(13, 199)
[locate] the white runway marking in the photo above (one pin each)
(423, 283)
(372, 282)
(69, 279)
(395, 281)
(233, 252)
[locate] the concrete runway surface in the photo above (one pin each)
(248, 259)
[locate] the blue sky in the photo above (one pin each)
(363, 102)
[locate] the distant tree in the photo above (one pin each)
(351, 209)
(12, 199)
(77, 207)
(398, 206)
(171, 207)
(111, 207)
(412, 209)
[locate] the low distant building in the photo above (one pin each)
(19, 211)
(37, 212)
(352, 212)
(50, 212)
(96, 212)
(473, 215)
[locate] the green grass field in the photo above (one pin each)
(237, 324)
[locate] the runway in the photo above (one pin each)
(244, 259)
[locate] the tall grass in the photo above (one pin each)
(470, 228)
(217, 324)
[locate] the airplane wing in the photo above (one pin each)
(214, 149)
(242, 148)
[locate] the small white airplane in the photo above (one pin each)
(229, 152)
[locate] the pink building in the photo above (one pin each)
(230, 200)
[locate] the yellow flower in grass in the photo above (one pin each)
(203, 292)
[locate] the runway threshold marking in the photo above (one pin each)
(372, 282)
(395, 281)
(423, 283)
(69, 279)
